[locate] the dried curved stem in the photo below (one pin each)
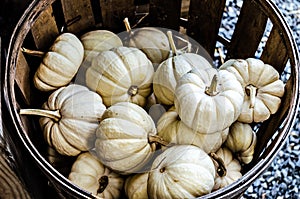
(212, 89)
(251, 91)
(36, 53)
(221, 169)
(55, 115)
(158, 140)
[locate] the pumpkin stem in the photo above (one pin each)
(55, 115)
(36, 53)
(157, 139)
(171, 41)
(133, 90)
(221, 169)
(127, 25)
(212, 89)
(103, 182)
(251, 91)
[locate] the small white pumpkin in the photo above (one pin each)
(60, 64)
(70, 118)
(173, 130)
(97, 41)
(121, 74)
(228, 169)
(152, 41)
(90, 174)
(136, 186)
(241, 141)
(172, 69)
(262, 86)
(208, 101)
(181, 171)
(124, 138)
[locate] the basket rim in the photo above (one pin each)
(22, 29)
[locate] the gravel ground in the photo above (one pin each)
(281, 179)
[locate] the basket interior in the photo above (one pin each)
(258, 32)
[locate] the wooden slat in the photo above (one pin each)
(44, 30)
(248, 32)
(204, 22)
(275, 52)
(22, 77)
(114, 12)
(165, 13)
(78, 15)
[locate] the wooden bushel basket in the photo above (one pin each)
(45, 19)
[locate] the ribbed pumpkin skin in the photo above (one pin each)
(264, 81)
(81, 110)
(152, 41)
(171, 70)
(122, 138)
(135, 186)
(181, 171)
(173, 130)
(60, 64)
(241, 141)
(87, 172)
(97, 41)
(233, 169)
(121, 74)
(208, 113)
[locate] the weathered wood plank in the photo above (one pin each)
(250, 26)
(22, 77)
(204, 22)
(44, 30)
(78, 15)
(275, 52)
(10, 186)
(165, 13)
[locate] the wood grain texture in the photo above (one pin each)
(78, 15)
(44, 30)
(275, 52)
(248, 32)
(10, 185)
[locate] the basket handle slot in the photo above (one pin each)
(250, 26)
(73, 9)
(275, 52)
(202, 27)
(165, 13)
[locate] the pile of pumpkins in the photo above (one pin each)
(148, 120)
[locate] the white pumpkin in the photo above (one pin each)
(262, 86)
(208, 101)
(136, 186)
(230, 170)
(90, 174)
(173, 130)
(181, 171)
